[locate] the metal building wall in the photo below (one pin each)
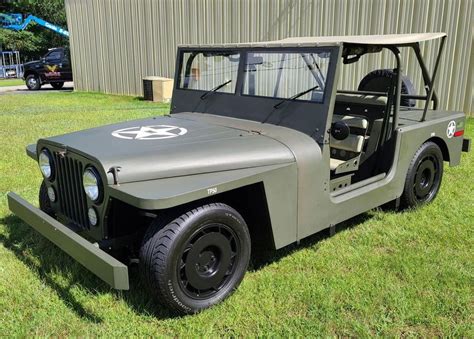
(115, 43)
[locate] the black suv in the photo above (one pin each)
(54, 68)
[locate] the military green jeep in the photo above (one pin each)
(261, 147)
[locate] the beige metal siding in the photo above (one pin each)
(115, 43)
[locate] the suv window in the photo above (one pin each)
(54, 55)
(207, 70)
(285, 74)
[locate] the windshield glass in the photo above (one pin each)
(286, 86)
(206, 71)
(285, 75)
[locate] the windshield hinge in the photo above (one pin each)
(114, 170)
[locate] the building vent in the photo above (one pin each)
(157, 89)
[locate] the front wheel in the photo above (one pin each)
(424, 176)
(196, 260)
(33, 82)
(57, 85)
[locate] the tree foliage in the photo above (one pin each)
(23, 41)
(34, 40)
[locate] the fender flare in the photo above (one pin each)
(279, 181)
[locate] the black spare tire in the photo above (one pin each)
(380, 80)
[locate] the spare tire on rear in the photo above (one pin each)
(380, 80)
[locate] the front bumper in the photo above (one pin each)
(87, 254)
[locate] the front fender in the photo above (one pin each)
(280, 184)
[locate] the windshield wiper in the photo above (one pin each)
(296, 96)
(215, 89)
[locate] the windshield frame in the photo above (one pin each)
(309, 117)
(243, 55)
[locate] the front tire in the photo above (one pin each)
(198, 259)
(424, 176)
(57, 85)
(33, 82)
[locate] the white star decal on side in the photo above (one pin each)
(451, 129)
(150, 132)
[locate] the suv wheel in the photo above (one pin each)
(424, 176)
(196, 260)
(57, 85)
(33, 82)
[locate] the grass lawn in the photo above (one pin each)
(11, 82)
(383, 273)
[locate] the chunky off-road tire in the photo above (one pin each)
(44, 202)
(196, 260)
(33, 82)
(424, 176)
(57, 85)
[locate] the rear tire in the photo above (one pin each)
(424, 176)
(33, 82)
(57, 85)
(198, 259)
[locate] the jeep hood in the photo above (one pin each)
(164, 147)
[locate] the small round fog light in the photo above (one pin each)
(91, 213)
(51, 194)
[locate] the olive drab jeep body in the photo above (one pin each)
(260, 146)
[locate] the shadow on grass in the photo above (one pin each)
(31, 248)
(25, 90)
(263, 257)
(21, 240)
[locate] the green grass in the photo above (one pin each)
(11, 82)
(383, 273)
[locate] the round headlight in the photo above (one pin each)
(46, 164)
(91, 183)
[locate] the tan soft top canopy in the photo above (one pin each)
(378, 40)
(388, 39)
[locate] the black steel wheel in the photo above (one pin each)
(57, 85)
(424, 176)
(44, 202)
(196, 260)
(33, 82)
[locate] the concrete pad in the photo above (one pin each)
(22, 89)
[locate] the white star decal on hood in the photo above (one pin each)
(150, 132)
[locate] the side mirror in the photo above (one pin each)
(340, 130)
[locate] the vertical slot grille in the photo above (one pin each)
(72, 198)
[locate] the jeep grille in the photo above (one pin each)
(72, 198)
